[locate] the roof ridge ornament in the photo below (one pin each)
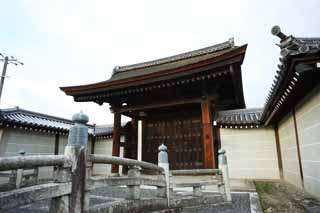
(231, 41)
(115, 70)
(291, 45)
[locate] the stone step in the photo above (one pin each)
(166, 211)
(217, 207)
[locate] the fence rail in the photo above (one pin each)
(105, 159)
(196, 172)
(30, 162)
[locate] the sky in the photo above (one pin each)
(64, 43)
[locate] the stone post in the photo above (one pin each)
(78, 201)
(134, 189)
(164, 163)
(223, 165)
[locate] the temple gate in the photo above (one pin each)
(176, 99)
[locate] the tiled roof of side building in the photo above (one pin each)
(290, 47)
(239, 117)
(22, 118)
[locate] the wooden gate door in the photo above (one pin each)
(182, 136)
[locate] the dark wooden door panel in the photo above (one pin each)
(182, 136)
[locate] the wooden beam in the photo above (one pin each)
(276, 132)
(116, 140)
(208, 140)
(162, 104)
(298, 144)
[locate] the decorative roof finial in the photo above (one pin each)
(275, 30)
(231, 41)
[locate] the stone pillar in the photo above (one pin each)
(77, 149)
(223, 165)
(207, 135)
(116, 140)
(164, 163)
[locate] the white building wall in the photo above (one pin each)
(308, 125)
(33, 143)
(289, 153)
(104, 147)
(251, 153)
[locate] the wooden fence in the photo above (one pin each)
(70, 189)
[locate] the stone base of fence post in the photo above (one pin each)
(134, 190)
(171, 184)
(197, 191)
(60, 204)
(162, 190)
(223, 165)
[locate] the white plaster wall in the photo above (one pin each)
(289, 153)
(251, 153)
(308, 125)
(104, 147)
(33, 143)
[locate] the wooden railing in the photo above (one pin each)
(70, 188)
(134, 180)
(217, 177)
(23, 196)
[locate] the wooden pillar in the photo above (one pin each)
(116, 140)
(93, 143)
(207, 135)
(134, 139)
(298, 145)
(276, 132)
(56, 143)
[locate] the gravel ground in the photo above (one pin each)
(279, 196)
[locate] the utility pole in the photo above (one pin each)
(6, 60)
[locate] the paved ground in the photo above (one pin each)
(109, 195)
(240, 204)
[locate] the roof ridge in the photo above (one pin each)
(242, 110)
(181, 56)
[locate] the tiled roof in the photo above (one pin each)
(239, 117)
(25, 118)
(172, 61)
(103, 129)
(290, 47)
